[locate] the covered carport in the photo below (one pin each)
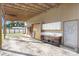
(21, 12)
(36, 15)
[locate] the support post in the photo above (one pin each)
(14, 30)
(0, 33)
(0, 27)
(9, 30)
(4, 29)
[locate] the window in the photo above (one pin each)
(52, 26)
(52, 29)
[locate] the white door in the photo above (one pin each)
(70, 33)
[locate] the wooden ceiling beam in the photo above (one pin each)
(15, 11)
(11, 18)
(19, 17)
(43, 5)
(29, 6)
(54, 5)
(34, 6)
(11, 11)
(26, 11)
(42, 8)
(19, 8)
(50, 5)
(23, 7)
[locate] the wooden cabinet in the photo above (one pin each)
(52, 40)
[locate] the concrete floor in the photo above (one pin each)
(21, 45)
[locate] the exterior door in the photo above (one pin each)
(70, 33)
(37, 31)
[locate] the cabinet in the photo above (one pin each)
(52, 40)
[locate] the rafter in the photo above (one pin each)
(15, 11)
(25, 7)
(34, 6)
(28, 10)
(28, 6)
(19, 8)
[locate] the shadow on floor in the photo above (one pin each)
(25, 41)
(29, 41)
(17, 52)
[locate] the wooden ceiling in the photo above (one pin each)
(25, 11)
